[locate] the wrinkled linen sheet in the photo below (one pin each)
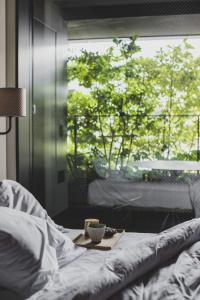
(162, 266)
(15, 196)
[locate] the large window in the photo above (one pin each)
(133, 118)
(132, 99)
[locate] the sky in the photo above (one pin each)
(149, 46)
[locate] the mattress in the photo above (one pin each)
(159, 195)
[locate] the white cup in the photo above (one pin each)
(89, 222)
(96, 232)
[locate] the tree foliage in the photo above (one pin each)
(129, 107)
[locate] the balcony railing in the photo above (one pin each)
(121, 137)
(114, 142)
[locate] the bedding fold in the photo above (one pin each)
(119, 274)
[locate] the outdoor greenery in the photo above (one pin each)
(129, 107)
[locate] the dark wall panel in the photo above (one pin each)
(50, 19)
(44, 122)
(24, 79)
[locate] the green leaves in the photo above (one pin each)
(121, 99)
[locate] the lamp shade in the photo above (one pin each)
(12, 102)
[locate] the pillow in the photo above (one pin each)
(14, 195)
(27, 252)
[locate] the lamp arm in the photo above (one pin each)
(9, 126)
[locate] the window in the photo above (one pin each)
(133, 119)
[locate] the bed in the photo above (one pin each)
(87, 260)
(49, 266)
(141, 266)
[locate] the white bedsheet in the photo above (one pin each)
(74, 274)
(88, 260)
(139, 194)
(162, 266)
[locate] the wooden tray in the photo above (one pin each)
(105, 244)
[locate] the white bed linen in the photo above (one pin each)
(164, 266)
(84, 261)
(110, 193)
(15, 196)
(27, 256)
(31, 251)
(83, 267)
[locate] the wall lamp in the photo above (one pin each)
(12, 104)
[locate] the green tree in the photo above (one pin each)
(179, 91)
(128, 107)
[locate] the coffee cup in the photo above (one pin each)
(96, 232)
(89, 222)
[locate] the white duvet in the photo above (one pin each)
(31, 251)
(163, 266)
(32, 246)
(39, 262)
